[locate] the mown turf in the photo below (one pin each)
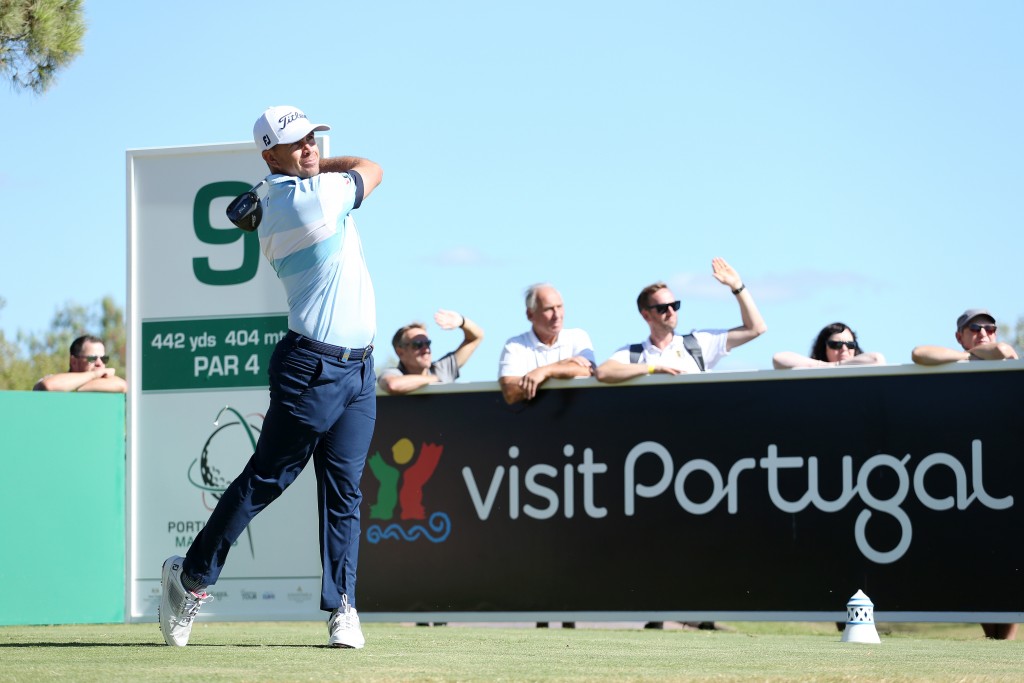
(295, 651)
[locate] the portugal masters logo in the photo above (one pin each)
(401, 486)
(232, 442)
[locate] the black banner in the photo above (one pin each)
(781, 492)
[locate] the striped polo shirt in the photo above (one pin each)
(310, 239)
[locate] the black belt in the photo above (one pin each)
(329, 349)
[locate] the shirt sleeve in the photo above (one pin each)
(621, 355)
(358, 180)
(446, 368)
(512, 362)
(387, 372)
(585, 348)
(339, 192)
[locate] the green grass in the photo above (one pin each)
(295, 651)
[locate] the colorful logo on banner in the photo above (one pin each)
(401, 486)
(232, 441)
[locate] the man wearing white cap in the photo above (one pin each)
(322, 398)
(976, 331)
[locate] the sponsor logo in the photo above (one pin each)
(299, 596)
(854, 488)
(289, 118)
(541, 482)
(400, 495)
(225, 452)
(249, 595)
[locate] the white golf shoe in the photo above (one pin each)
(343, 627)
(178, 607)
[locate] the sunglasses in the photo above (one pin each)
(663, 308)
(836, 345)
(978, 327)
(93, 359)
(419, 344)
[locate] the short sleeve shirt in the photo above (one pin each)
(712, 346)
(446, 368)
(310, 239)
(526, 352)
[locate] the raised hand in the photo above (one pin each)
(448, 320)
(725, 273)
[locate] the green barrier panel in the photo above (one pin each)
(63, 508)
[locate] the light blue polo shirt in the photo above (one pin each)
(312, 243)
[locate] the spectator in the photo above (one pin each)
(87, 370)
(415, 365)
(545, 351)
(836, 345)
(664, 351)
(976, 333)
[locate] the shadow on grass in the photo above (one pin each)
(150, 644)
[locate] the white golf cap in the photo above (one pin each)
(282, 125)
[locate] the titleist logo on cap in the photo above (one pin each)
(288, 118)
(282, 125)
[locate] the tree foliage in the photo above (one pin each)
(31, 356)
(38, 38)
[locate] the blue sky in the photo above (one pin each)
(858, 161)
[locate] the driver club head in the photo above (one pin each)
(245, 211)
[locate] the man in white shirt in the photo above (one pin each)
(666, 352)
(545, 351)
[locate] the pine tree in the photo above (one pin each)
(38, 38)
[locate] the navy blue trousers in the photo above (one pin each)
(321, 407)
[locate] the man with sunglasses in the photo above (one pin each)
(416, 367)
(546, 351)
(87, 370)
(323, 402)
(666, 352)
(976, 332)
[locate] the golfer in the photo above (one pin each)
(322, 399)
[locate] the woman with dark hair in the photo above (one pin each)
(836, 345)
